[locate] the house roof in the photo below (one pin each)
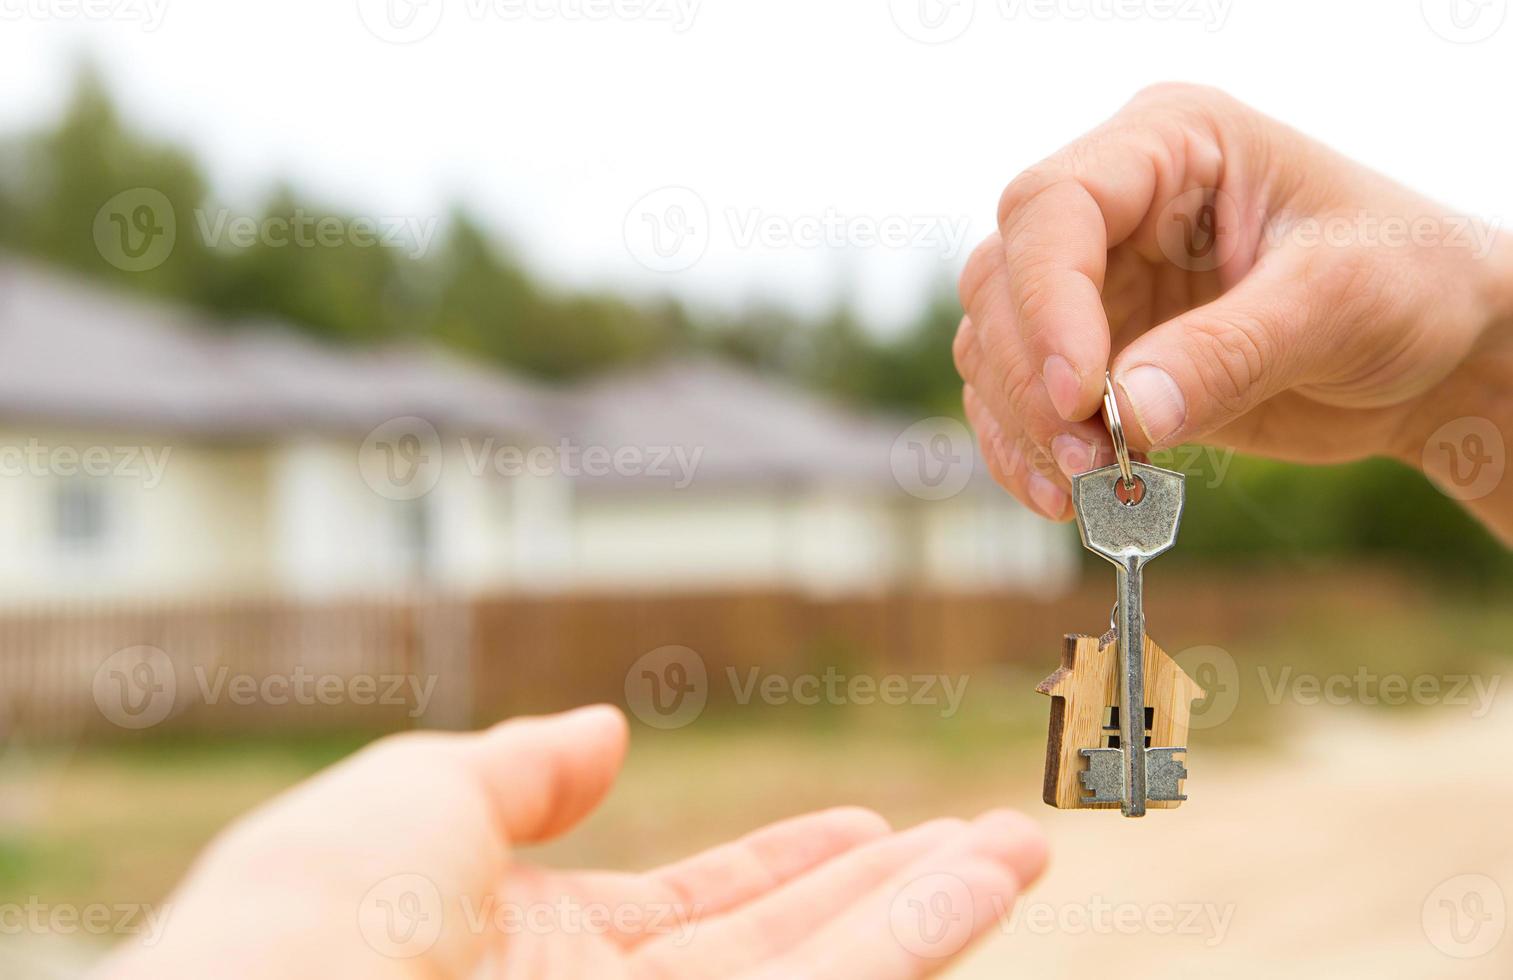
(745, 426)
(74, 353)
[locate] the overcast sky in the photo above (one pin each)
(731, 150)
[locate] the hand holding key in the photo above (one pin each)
(1246, 286)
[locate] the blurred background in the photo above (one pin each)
(370, 366)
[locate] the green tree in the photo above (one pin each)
(65, 176)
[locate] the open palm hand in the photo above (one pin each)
(399, 863)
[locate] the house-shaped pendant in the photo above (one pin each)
(1084, 694)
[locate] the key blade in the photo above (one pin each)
(1104, 776)
(1164, 773)
(1121, 532)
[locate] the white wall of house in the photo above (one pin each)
(541, 532)
(464, 528)
(110, 515)
(205, 527)
(823, 541)
(179, 518)
(496, 530)
(982, 541)
(332, 533)
(840, 540)
(652, 539)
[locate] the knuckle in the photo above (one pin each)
(1081, 160)
(964, 350)
(1203, 156)
(987, 440)
(1033, 301)
(978, 272)
(1031, 458)
(1021, 193)
(971, 403)
(1234, 358)
(1038, 460)
(990, 448)
(1183, 111)
(1018, 394)
(997, 344)
(1180, 95)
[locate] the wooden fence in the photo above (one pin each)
(90, 669)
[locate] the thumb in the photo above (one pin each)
(294, 874)
(543, 775)
(1203, 369)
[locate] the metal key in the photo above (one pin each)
(1128, 513)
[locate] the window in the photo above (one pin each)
(80, 517)
(415, 538)
(1112, 737)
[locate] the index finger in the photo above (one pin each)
(1058, 221)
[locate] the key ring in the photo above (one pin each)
(1116, 432)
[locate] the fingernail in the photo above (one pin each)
(1062, 383)
(1050, 498)
(1073, 456)
(1156, 401)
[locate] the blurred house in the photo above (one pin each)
(146, 451)
(791, 489)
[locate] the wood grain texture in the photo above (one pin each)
(1082, 690)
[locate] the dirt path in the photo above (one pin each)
(1318, 861)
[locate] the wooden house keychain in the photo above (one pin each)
(1119, 705)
